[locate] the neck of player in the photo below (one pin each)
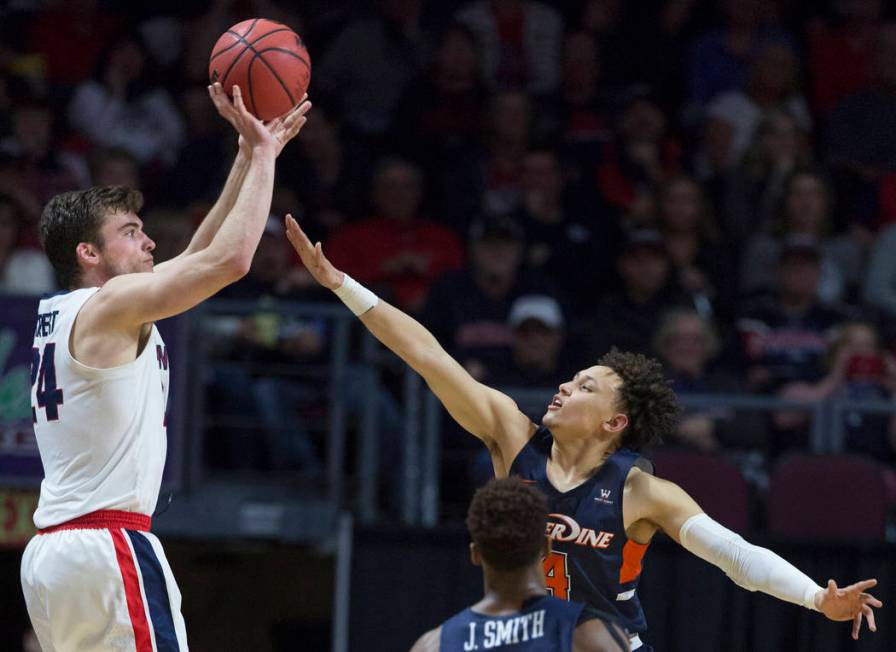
(574, 460)
(505, 591)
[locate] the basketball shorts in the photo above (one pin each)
(96, 585)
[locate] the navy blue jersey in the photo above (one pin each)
(544, 624)
(592, 560)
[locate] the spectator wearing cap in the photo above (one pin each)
(538, 356)
(628, 315)
(396, 251)
(784, 334)
(805, 213)
(468, 309)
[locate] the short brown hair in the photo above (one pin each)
(507, 520)
(77, 216)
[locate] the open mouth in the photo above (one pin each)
(556, 404)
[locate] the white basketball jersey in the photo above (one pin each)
(101, 432)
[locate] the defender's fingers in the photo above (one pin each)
(863, 585)
(856, 626)
(869, 616)
(870, 600)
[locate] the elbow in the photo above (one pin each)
(235, 267)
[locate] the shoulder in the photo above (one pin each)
(429, 642)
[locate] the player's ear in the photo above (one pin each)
(617, 424)
(475, 556)
(87, 253)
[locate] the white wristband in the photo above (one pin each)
(354, 295)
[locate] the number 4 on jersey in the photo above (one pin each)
(556, 575)
(43, 372)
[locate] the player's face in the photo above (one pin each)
(126, 248)
(583, 404)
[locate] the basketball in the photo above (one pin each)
(267, 60)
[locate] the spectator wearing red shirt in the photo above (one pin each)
(396, 251)
(840, 56)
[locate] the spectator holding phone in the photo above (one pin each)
(858, 369)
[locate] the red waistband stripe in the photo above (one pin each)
(104, 519)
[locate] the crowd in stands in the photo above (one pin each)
(709, 182)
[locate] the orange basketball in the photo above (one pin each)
(267, 60)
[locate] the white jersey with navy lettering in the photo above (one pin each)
(101, 432)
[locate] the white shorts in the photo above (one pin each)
(102, 589)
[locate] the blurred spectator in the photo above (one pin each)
(732, 117)
(784, 334)
(806, 210)
(880, 282)
(719, 60)
(862, 133)
(125, 105)
(753, 191)
(328, 181)
(640, 159)
(578, 114)
(396, 251)
(701, 263)
(442, 116)
(687, 345)
(114, 166)
(70, 36)
(22, 270)
(520, 42)
(204, 158)
(857, 369)
(561, 240)
(33, 168)
(537, 360)
(510, 134)
(627, 317)
(840, 55)
(468, 309)
(370, 65)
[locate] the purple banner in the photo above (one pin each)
(20, 464)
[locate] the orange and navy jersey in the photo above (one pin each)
(592, 561)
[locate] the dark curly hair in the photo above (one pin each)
(645, 396)
(507, 520)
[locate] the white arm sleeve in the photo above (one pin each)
(748, 566)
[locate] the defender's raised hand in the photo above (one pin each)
(312, 256)
(849, 603)
(250, 128)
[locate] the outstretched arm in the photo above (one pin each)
(754, 568)
(283, 129)
(486, 413)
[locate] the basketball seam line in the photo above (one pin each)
(235, 43)
(289, 52)
(258, 56)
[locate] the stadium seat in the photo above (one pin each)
(828, 496)
(715, 483)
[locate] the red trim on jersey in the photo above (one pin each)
(632, 554)
(129, 576)
(104, 519)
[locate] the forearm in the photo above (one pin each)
(749, 566)
(222, 207)
(239, 233)
(403, 335)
